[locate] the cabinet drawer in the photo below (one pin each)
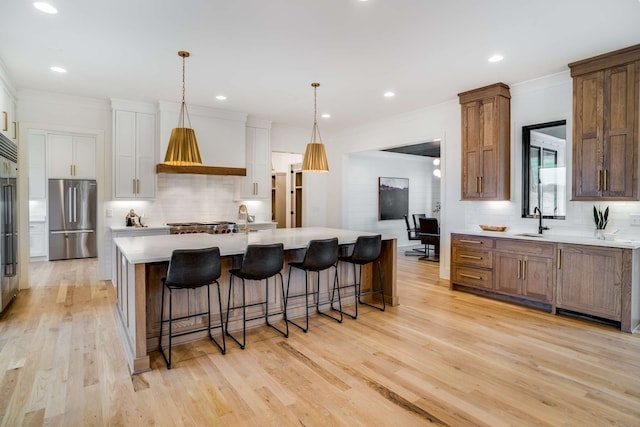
(527, 247)
(472, 241)
(469, 276)
(472, 257)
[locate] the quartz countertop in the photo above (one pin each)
(556, 238)
(145, 249)
(133, 228)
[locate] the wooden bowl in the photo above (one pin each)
(493, 227)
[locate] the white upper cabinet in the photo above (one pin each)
(134, 154)
(8, 120)
(71, 156)
(257, 183)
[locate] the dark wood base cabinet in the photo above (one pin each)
(595, 281)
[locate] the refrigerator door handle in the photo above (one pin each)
(70, 205)
(7, 231)
(75, 204)
(72, 232)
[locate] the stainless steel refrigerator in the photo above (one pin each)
(72, 219)
(8, 220)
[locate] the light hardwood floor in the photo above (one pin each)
(441, 357)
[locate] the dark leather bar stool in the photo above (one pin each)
(366, 250)
(192, 269)
(260, 262)
(320, 255)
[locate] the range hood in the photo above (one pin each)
(201, 170)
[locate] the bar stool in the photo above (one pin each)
(366, 250)
(260, 262)
(320, 255)
(191, 269)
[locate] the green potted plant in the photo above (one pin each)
(601, 219)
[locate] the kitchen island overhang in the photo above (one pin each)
(142, 261)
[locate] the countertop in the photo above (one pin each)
(146, 227)
(555, 238)
(144, 249)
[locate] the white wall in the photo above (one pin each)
(362, 171)
(55, 112)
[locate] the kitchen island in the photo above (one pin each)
(140, 263)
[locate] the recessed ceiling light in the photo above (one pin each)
(45, 7)
(326, 116)
(436, 162)
(58, 69)
(389, 94)
(221, 97)
(496, 58)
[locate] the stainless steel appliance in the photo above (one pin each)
(217, 227)
(8, 220)
(72, 219)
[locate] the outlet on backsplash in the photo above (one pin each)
(635, 220)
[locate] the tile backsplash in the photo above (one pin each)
(187, 197)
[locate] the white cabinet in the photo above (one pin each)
(37, 239)
(37, 166)
(8, 120)
(134, 154)
(71, 156)
(257, 183)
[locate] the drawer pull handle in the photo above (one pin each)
(471, 257)
(606, 181)
(599, 186)
(470, 241)
(519, 269)
(471, 276)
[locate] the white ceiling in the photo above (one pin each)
(263, 54)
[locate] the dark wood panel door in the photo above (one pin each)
(590, 280)
(538, 278)
(588, 148)
(620, 154)
(508, 277)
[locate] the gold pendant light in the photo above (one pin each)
(315, 158)
(183, 146)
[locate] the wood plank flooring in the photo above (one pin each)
(441, 357)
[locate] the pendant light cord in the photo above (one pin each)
(315, 128)
(182, 107)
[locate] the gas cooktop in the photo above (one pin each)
(211, 227)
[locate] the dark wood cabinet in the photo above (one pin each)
(605, 126)
(525, 269)
(590, 280)
(486, 143)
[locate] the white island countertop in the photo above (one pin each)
(145, 249)
(555, 238)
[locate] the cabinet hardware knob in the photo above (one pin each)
(470, 276)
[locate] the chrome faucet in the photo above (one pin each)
(540, 227)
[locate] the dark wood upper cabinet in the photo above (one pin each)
(605, 126)
(486, 143)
